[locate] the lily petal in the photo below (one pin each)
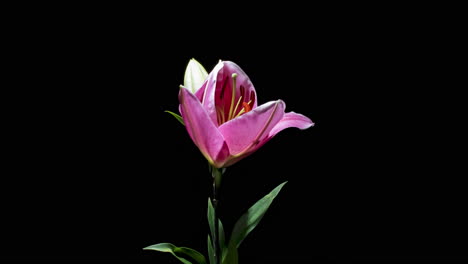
(244, 86)
(206, 93)
(216, 91)
(248, 132)
(201, 129)
(291, 119)
(194, 76)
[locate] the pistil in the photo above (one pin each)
(233, 97)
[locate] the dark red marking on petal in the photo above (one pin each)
(223, 88)
(252, 99)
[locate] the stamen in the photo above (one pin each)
(235, 108)
(221, 115)
(245, 108)
(233, 96)
(240, 113)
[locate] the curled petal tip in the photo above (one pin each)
(292, 119)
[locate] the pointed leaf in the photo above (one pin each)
(211, 251)
(194, 76)
(222, 243)
(231, 255)
(178, 117)
(179, 252)
(211, 219)
(252, 217)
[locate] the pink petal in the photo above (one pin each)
(291, 119)
(244, 86)
(201, 128)
(216, 91)
(206, 93)
(200, 93)
(248, 132)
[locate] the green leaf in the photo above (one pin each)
(178, 117)
(211, 251)
(194, 76)
(179, 252)
(222, 243)
(211, 218)
(252, 217)
(231, 256)
(211, 223)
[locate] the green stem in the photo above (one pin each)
(216, 235)
(217, 175)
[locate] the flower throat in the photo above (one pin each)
(237, 108)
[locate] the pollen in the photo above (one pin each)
(246, 107)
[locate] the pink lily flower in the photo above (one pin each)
(223, 118)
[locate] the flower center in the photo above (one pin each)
(236, 108)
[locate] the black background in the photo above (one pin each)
(94, 170)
